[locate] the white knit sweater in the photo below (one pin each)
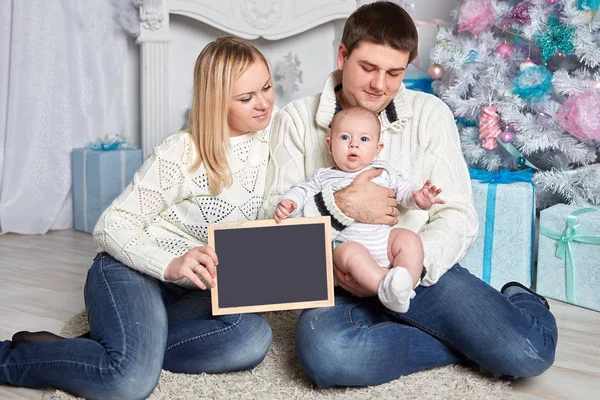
(420, 141)
(166, 209)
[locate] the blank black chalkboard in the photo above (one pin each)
(265, 266)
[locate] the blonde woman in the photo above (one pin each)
(146, 291)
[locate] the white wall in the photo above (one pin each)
(190, 36)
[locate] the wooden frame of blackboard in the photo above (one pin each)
(325, 278)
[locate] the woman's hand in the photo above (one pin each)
(368, 202)
(198, 261)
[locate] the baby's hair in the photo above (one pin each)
(356, 112)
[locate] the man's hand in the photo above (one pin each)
(368, 202)
(347, 282)
(427, 196)
(197, 261)
(284, 209)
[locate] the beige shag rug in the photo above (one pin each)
(279, 376)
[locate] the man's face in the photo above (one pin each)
(371, 75)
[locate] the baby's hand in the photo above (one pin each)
(427, 196)
(284, 209)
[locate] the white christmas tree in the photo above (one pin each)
(523, 80)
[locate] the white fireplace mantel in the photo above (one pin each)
(248, 19)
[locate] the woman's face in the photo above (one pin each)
(252, 101)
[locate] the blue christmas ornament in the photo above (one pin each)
(588, 5)
(471, 57)
(533, 83)
(521, 160)
(556, 37)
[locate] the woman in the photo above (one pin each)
(144, 313)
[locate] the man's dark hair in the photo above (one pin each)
(382, 23)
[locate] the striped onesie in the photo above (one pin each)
(374, 237)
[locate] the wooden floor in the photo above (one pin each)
(41, 287)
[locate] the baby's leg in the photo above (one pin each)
(405, 249)
(405, 252)
(354, 259)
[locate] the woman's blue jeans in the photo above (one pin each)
(139, 325)
(358, 342)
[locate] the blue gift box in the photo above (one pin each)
(98, 178)
(503, 250)
(418, 80)
(419, 84)
(568, 262)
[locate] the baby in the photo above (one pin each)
(367, 251)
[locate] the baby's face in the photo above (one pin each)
(354, 142)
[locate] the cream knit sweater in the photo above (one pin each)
(166, 209)
(420, 141)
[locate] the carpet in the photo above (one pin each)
(279, 376)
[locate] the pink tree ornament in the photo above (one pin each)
(506, 137)
(489, 127)
(476, 16)
(436, 71)
(580, 115)
(504, 50)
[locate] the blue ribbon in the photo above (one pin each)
(504, 176)
(513, 151)
(115, 142)
(563, 248)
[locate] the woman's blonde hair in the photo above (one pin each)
(218, 67)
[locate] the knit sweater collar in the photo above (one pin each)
(397, 112)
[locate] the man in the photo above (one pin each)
(455, 317)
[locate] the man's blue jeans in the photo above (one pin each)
(358, 342)
(139, 325)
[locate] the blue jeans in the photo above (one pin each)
(358, 342)
(139, 325)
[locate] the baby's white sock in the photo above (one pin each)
(395, 290)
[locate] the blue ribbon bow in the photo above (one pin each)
(115, 142)
(504, 176)
(563, 248)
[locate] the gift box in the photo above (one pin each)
(568, 261)
(503, 250)
(417, 80)
(99, 176)
(419, 84)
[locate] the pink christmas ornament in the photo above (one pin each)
(504, 50)
(580, 115)
(436, 71)
(506, 137)
(551, 2)
(489, 127)
(526, 64)
(476, 16)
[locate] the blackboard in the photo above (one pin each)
(265, 266)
